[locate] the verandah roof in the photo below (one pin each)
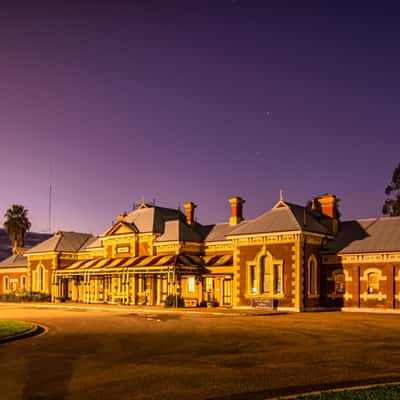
(142, 261)
(150, 261)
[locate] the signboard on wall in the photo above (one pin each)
(122, 249)
(263, 303)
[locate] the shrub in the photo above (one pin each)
(25, 296)
(174, 301)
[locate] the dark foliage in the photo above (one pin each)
(392, 203)
(17, 224)
(174, 301)
(18, 297)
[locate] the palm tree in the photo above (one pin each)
(17, 224)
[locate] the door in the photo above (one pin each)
(227, 298)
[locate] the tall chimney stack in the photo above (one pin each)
(189, 207)
(236, 210)
(329, 204)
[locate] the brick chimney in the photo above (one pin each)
(189, 207)
(329, 204)
(236, 210)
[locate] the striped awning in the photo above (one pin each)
(151, 261)
(218, 261)
(134, 262)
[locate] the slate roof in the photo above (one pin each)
(152, 218)
(366, 236)
(281, 219)
(62, 241)
(219, 231)
(92, 243)
(176, 230)
(14, 261)
(31, 239)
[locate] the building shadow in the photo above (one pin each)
(37, 388)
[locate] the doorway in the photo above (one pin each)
(227, 297)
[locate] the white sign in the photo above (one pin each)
(123, 249)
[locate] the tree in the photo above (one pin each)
(392, 203)
(314, 205)
(17, 224)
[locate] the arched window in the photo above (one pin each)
(312, 275)
(373, 282)
(41, 278)
(266, 275)
(6, 284)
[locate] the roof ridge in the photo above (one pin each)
(294, 216)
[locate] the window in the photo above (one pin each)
(266, 277)
(373, 282)
(190, 282)
(6, 284)
(312, 276)
(340, 283)
(252, 279)
(23, 282)
(41, 279)
(278, 278)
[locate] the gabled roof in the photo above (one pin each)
(218, 232)
(283, 217)
(151, 218)
(367, 236)
(14, 261)
(131, 227)
(92, 243)
(62, 241)
(176, 230)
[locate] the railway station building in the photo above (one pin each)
(291, 258)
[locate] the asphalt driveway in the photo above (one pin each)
(123, 355)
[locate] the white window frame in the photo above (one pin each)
(312, 276)
(6, 284)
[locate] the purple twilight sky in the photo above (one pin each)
(196, 100)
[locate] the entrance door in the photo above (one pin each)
(227, 291)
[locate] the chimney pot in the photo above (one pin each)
(189, 207)
(329, 209)
(236, 210)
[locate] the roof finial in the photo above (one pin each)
(142, 203)
(281, 195)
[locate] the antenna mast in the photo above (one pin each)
(50, 194)
(50, 191)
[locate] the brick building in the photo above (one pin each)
(290, 258)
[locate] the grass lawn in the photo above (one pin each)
(385, 392)
(10, 327)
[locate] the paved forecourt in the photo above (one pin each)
(93, 354)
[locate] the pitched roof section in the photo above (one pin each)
(15, 261)
(178, 231)
(152, 218)
(92, 243)
(286, 217)
(62, 241)
(218, 232)
(367, 236)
